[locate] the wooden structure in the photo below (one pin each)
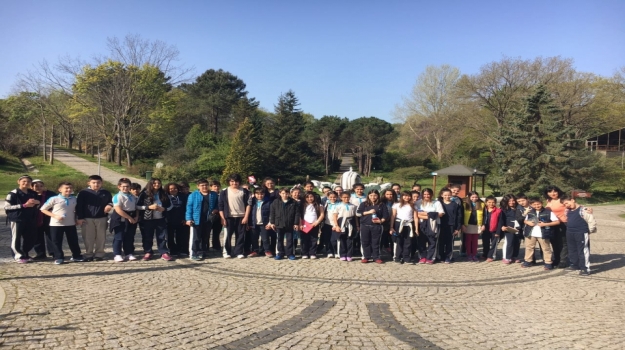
(612, 142)
(462, 175)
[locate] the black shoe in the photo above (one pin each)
(77, 259)
(571, 268)
(88, 259)
(98, 259)
(40, 257)
(584, 272)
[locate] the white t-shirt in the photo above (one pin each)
(61, 206)
(310, 214)
(429, 207)
(357, 200)
(330, 211)
(405, 213)
(536, 230)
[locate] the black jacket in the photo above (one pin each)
(543, 216)
(453, 215)
(381, 211)
(14, 209)
(90, 204)
(284, 214)
(223, 201)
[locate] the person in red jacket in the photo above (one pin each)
(492, 230)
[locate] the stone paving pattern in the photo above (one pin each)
(323, 304)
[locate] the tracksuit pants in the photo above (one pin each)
(177, 238)
(22, 239)
(268, 238)
(401, 244)
(149, 229)
(343, 243)
(283, 250)
(486, 243)
(216, 228)
(370, 236)
(198, 239)
(43, 240)
(72, 241)
(494, 242)
(446, 242)
(507, 251)
(236, 228)
(559, 245)
(124, 239)
(427, 245)
(252, 237)
(309, 241)
(578, 245)
(326, 237)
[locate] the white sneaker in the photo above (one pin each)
(118, 258)
(330, 255)
(304, 256)
(131, 257)
(313, 257)
(226, 256)
(337, 256)
(240, 256)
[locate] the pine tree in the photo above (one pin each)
(287, 152)
(244, 157)
(538, 150)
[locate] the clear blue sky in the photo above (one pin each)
(345, 58)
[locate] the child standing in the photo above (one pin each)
(491, 234)
(358, 197)
(388, 198)
(42, 238)
(123, 222)
(200, 204)
(509, 226)
(21, 210)
(372, 215)
(177, 239)
(234, 208)
(312, 216)
(450, 225)
(580, 224)
(539, 224)
(473, 224)
(62, 209)
(327, 230)
(402, 219)
(92, 207)
(344, 227)
(429, 213)
(261, 209)
(284, 217)
(153, 203)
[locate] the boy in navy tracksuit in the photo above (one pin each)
(200, 207)
(261, 208)
(43, 237)
(21, 208)
(580, 224)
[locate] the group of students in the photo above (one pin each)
(412, 225)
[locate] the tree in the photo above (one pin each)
(538, 149)
(325, 134)
(288, 156)
(432, 111)
(367, 138)
(243, 157)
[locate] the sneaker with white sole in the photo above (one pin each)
(118, 258)
(330, 255)
(131, 257)
(240, 256)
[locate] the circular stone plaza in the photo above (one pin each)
(261, 303)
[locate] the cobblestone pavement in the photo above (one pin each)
(322, 304)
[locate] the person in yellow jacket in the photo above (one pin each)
(473, 224)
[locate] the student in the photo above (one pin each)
(558, 242)
(215, 218)
(473, 224)
(429, 213)
(312, 216)
(523, 209)
(123, 222)
(259, 223)
(491, 234)
(177, 239)
(42, 238)
(284, 217)
(358, 197)
(388, 198)
(20, 207)
(402, 219)
(416, 187)
(61, 209)
(339, 192)
(324, 198)
(539, 224)
(152, 204)
(414, 240)
(92, 207)
(310, 187)
(200, 207)
(455, 196)
(372, 215)
(397, 189)
(234, 209)
(450, 225)
(580, 224)
(509, 226)
(184, 188)
(135, 189)
(296, 194)
(344, 227)
(328, 235)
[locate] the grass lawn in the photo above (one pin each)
(51, 175)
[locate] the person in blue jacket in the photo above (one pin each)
(200, 207)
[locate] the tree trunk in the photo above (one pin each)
(128, 162)
(52, 144)
(43, 144)
(110, 156)
(70, 139)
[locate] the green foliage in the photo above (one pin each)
(244, 157)
(198, 139)
(412, 174)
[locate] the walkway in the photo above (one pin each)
(316, 304)
(91, 168)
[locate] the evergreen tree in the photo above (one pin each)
(243, 157)
(538, 150)
(287, 155)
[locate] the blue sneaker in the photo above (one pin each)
(526, 264)
(278, 257)
(291, 257)
(58, 261)
(548, 267)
